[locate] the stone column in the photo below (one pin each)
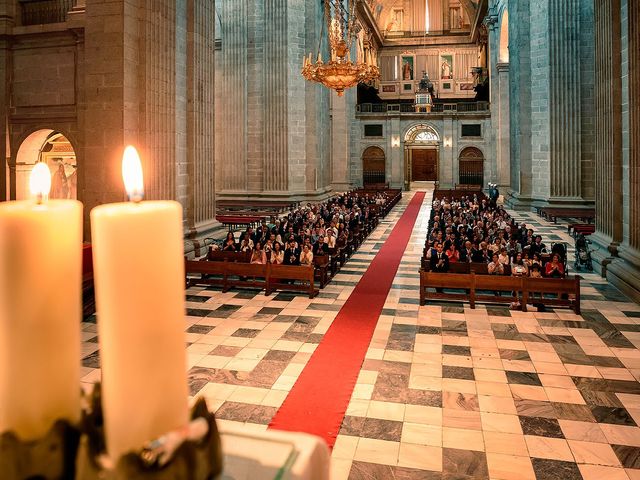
(520, 95)
(200, 78)
(339, 144)
(625, 271)
(502, 140)
(564, 102)
(274, 78)
(395, 156)
(108, 48)
(6, 25)
(608, 117)
(231, 98)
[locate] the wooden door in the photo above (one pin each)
(373, 166)
(424, 165)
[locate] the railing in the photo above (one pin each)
(418, 33)
(36, 12)
(409, 108)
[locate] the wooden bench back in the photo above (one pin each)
(220, 256)
(292, 272)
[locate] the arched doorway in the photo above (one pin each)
(373, 166)
(53, 148)
(422, 146)
(471, 167)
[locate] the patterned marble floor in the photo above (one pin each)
(445, 392)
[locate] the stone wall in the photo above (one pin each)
(395, 128)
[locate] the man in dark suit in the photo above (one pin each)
(439, 262)
(320, 247)
(466, 253)
(292, 254)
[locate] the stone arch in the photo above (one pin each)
(57, 150)
(471, 166)
(374, 165)
(422, 133)
(503, 51)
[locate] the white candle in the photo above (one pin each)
(40, 310)
(139, 282)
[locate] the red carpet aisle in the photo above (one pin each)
(318, 400)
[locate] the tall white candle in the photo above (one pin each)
(139, 283)
(40, 310)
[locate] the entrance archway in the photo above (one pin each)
(422, 147)
(471, 166)
(373, 166)
(53, 148)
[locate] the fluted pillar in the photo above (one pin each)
(520, 95)
(231, 98)
(200, 172)
(6, 24)
(503, 148)
(624, 272)
(608, 153)
(157, 124)
(274, 78)
(564, 101)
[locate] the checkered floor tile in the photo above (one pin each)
(445, 392)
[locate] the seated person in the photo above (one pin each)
(439, 261)
(245, 246)
(518, 267)
(452, 253)
(306, 256)
(534, 271)
(258, 255)
(292, 253)
(229, 245)
(320, 247)
(495, 267)
(504, 257)
(277, 254)
(554, 268)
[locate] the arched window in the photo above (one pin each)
(54, 149)
(373, 166)
(471, 166)
(422, 133)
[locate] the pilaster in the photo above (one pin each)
(608, 140)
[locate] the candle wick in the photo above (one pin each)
(135, 197)
(39, 198)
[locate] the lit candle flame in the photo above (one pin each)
(132, 174)
(40, 181)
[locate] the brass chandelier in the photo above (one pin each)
(340, 72)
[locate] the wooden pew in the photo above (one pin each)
(222, 256)
(321, 264)
(490, 288)
(482, 288)
(566, 287)
(553, 213)
(278, 275)
(250, 275)
(450, 281)
(211, 273)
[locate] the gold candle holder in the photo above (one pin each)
(199, 459)
(51, 457)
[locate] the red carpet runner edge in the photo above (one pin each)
(319, 399)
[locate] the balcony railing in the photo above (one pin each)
(409, 108)
(36, 12)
